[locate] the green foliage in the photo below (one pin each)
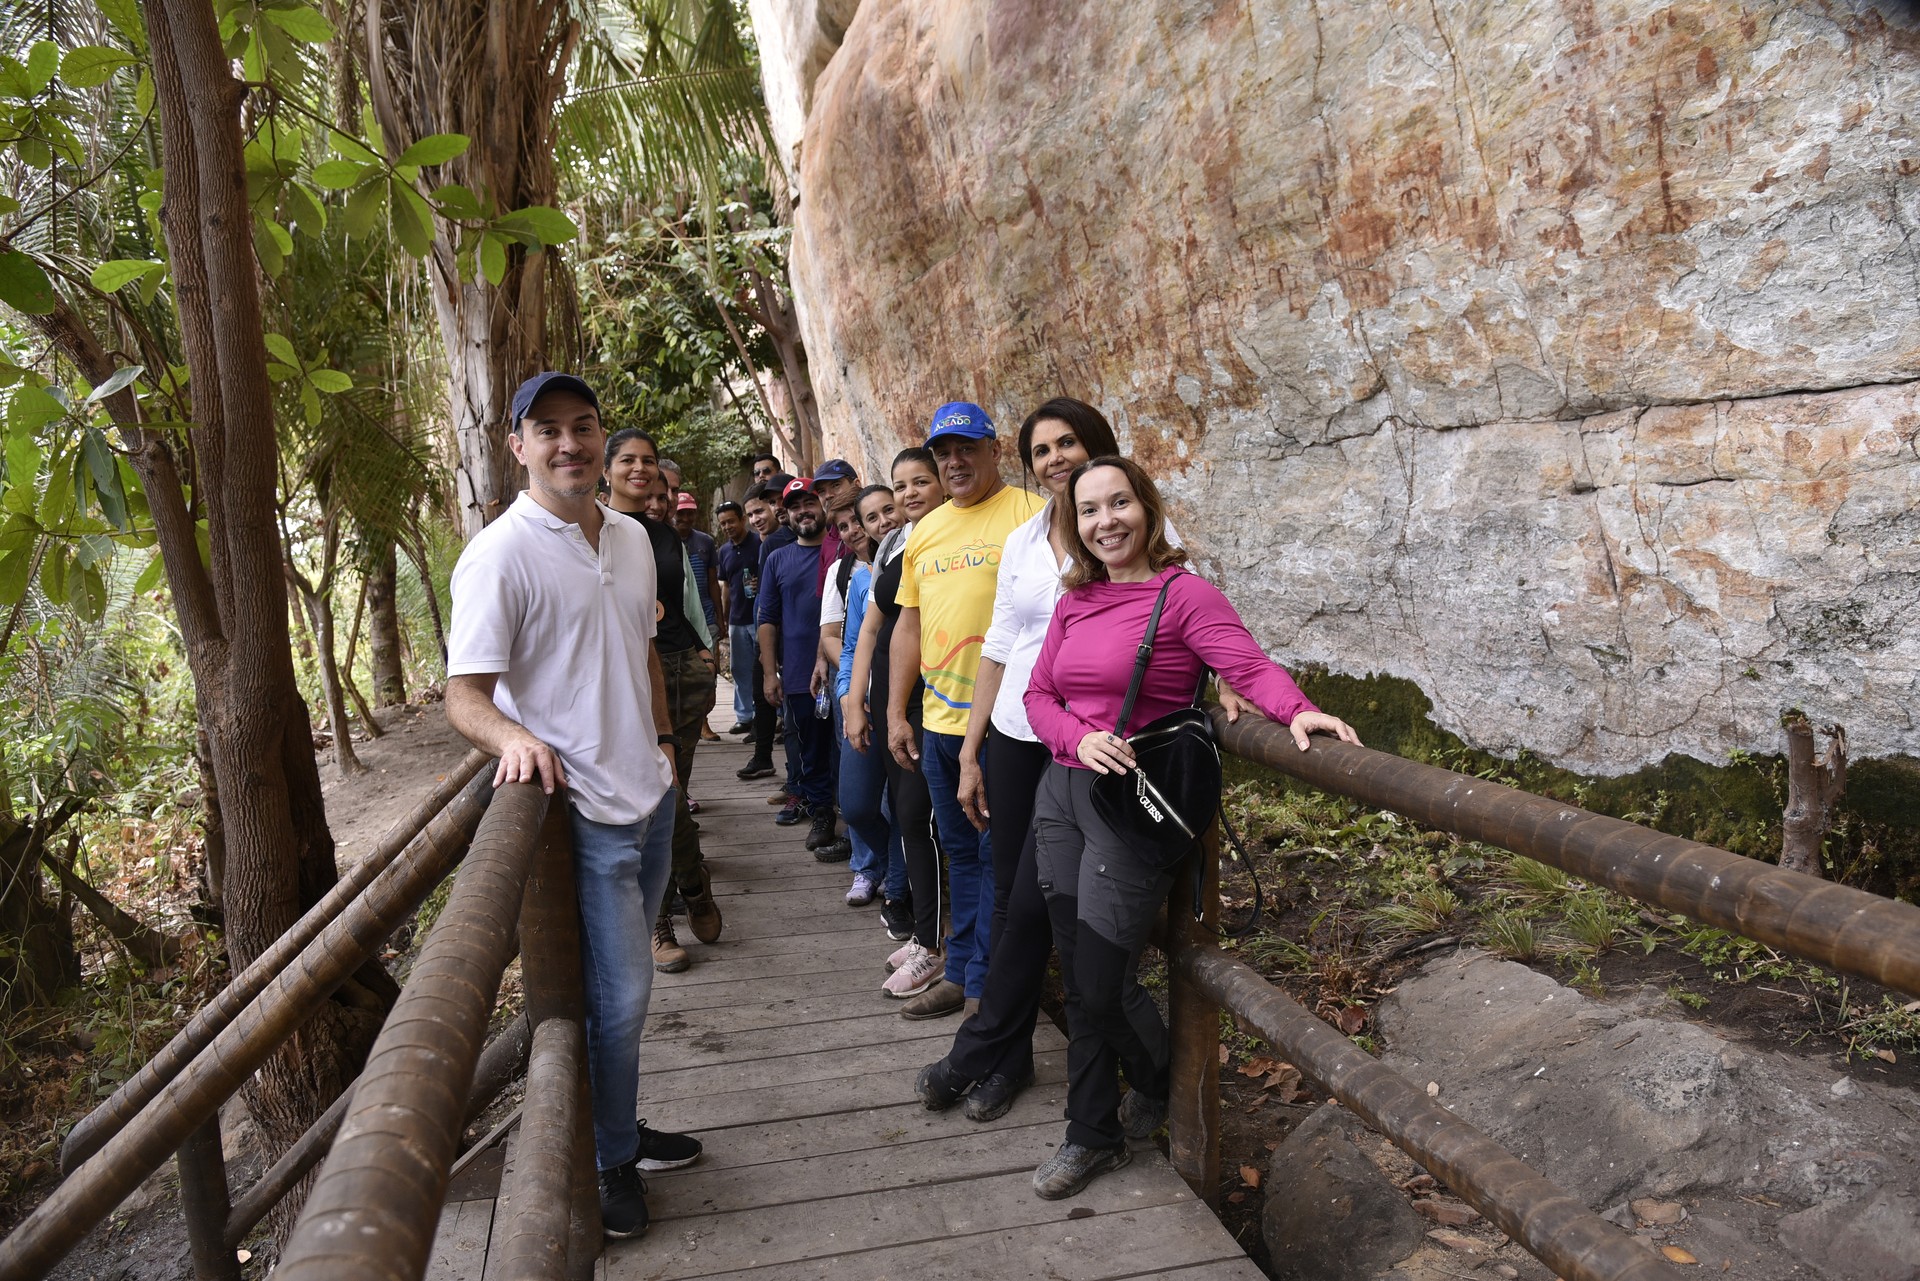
(1511, 934)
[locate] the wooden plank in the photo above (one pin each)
(808, 1230)
(793, 1013)
(976, 1152)
(1150, 1242)
(674, 994)
(794, 933)
(822, 952)
(460, 1242)
(704, 1110)
(770, 1139)
(716, 1049)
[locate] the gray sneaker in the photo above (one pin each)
(1070, 1169)
(1140, 1116)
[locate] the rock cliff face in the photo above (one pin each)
(1561, 357)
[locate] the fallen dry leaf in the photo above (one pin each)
(1885, 1056)
(1351, 1019)
(1224, 1053)
(1236, 1197)
(1273, 1145)
(1454, 1241)
(1676, 1255)
(1447, 1214)
(1250, 1175)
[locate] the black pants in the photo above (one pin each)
(765, 716)
(1103, 906)
(999, 1038)
(913, 818)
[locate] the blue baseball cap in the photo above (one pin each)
(531, 390)
(961, 418)
(835, 469)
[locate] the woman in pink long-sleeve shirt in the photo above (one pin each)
(1102, 897)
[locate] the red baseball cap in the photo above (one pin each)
(687, 503)
(797, 486)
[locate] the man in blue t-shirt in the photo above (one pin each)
(789, 616)
(735, 563)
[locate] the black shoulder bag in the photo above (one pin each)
(1166, 802)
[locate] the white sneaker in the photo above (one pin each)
(863, 889)
(919, 971)
(901, 955)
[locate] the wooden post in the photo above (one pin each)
(203, 1200)
(1193, 1119)
(1814, 785)
(550, 971)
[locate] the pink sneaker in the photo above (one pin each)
(916, 974)
(901, 955)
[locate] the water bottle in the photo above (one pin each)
(822, 705)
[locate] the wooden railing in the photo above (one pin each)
(1843, 928)
(389, 1141)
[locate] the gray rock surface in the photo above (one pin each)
(1563, 355)
(1330, 1214)
(1617, 1101)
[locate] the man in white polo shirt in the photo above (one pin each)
(550, 667)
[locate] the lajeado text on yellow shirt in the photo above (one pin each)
(952, 564)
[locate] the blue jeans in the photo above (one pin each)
(622, 874)
(743, 643)
(969, 864)
(877, 853)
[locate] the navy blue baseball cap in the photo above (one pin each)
(531, 390)
(961, 418)
(835, 469)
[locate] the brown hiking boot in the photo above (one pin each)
(668, 956)
(703, 914)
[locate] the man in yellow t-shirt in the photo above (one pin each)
(947, 577)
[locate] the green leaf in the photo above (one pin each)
(338, 175)
(493, 258)
(87, 592)
(8, 205)
(435, 149)
(143, 92)
(92, 64)
(331, 381)
(121, 272)
(281, 349)
(456, 201)
(23, 460)
(151, 286)
(308, 25)
(105, 474)
(14, 567)
(363, 208)
(277, 372)
(42, 60)
(253, 60)
(310, 402)
(548, 226)
(24, 285)
(152, 576)
(14, 81)
(117, 380)
(125, 17)
(32, 408)
(308, 213)
(412, 220)
(34, 153)
(56, 501)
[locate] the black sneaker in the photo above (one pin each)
(993, 1097)
(790, 813)
(661, 1150)
(1140, 1116)
(755, 769)
(939, 1087)
(821, 833)
(897, 917)
(623, 1201)
(741, 727)
(838, 850)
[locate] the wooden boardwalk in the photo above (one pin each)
(780, 1051)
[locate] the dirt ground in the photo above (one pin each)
(403, 765)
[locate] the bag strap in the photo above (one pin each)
(1141, 656)
(1199, 885)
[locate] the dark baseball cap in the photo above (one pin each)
(794, 489)
(532, 389)
(961, 418)
(835, 469)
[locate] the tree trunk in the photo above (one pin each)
(318, 605)
(494, 76)
(38, 958)
(234, 614)
(212, 831)
(1813, 785)
(383, 626)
